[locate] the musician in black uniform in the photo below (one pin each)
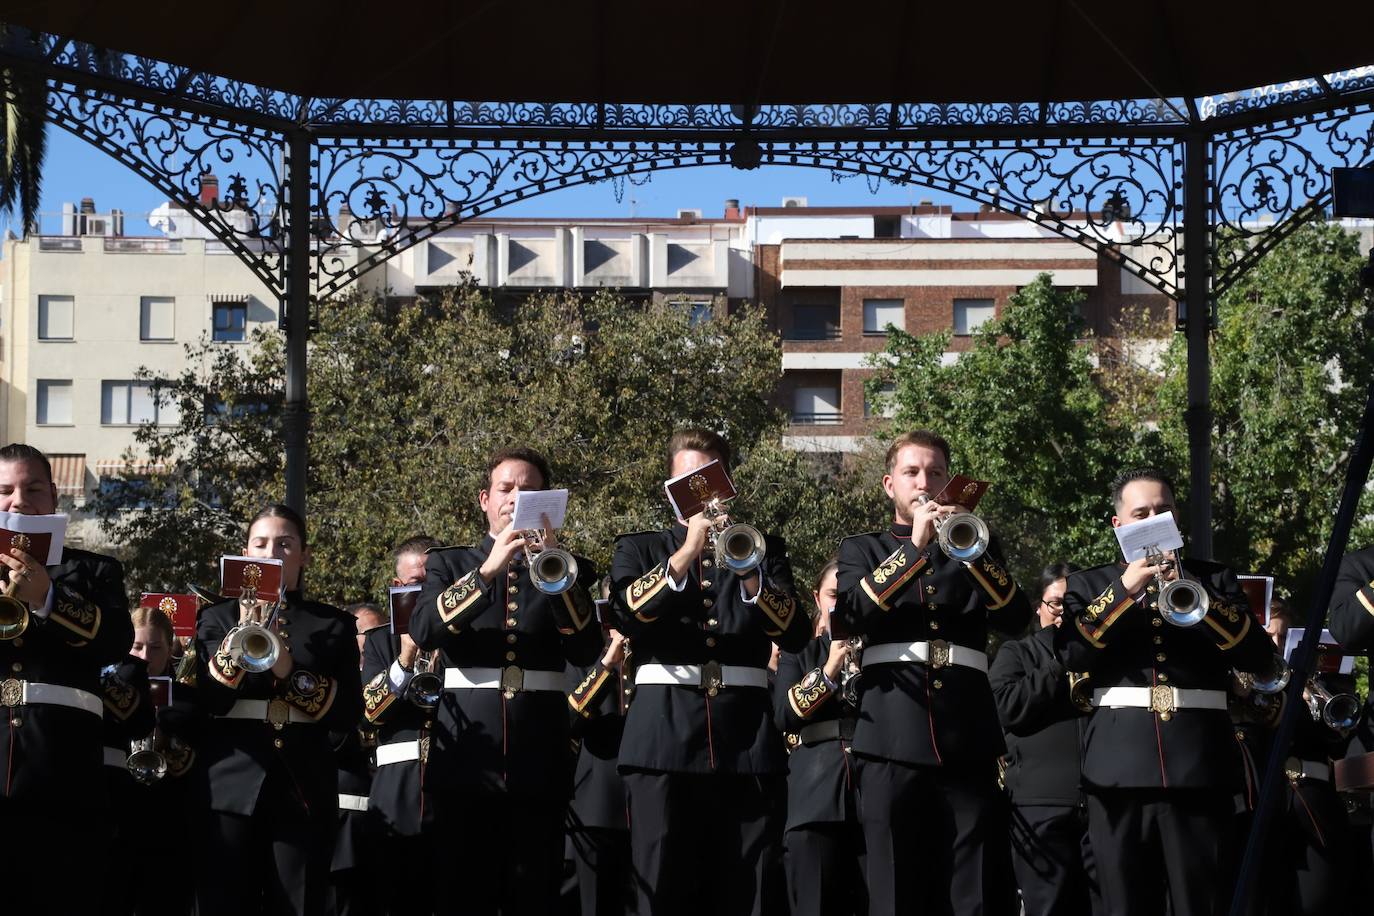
(1161, 768)
(129, 716)
(815, 700)
(53, 791)
(268, 785)
(403, 722)
(702, 760)
(927, 740)
(1043, 721)
(599, 817)
(499, 768)
(352, 872)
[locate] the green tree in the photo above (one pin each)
(409, 398)
(1024, 409)
(1290, 366)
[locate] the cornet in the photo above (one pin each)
(852, 671)
(146, 764)
(738, 548)
(962, 536)
(1270, 683)
(252, 645)
(426, 686)
(14, 614)
(552, 569)
(1182, 602)
(1337, 711)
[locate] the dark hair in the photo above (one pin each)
(1279, 607)
(520, 453)
(18, 451)
(697, 439)
(281, 510)
(416, 543)
(922, 437)
(832, 567)
(353, 610)
(1125, 478)
(1054, 572)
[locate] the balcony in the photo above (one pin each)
(121, 245)
(59, 243)
(812, 333)
(817, 418)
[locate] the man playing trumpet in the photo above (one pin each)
(1160, 767)
(927, 740)
(702, 760)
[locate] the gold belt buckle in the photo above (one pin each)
(278, 713)
(711, 678)
(938, 654)
(12, 693)
(512, 681)
(1162, 701)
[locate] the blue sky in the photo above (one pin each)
(74, 170)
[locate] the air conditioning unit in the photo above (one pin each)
(794, 201)
(689, 214)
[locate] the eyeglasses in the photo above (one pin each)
(1055, 604)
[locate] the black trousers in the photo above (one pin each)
(825, 870)
(1053, 860)
(40, 875)
(1310, 856)
(706, 843)
(935, 839)
(1164, 846)
(275, 861)
(604, 883)
(495, 852)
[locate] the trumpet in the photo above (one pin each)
(1337, 711)
(1081, 690)
(252, 645)
(739, 548)
(552, 569)
(14, 614)
(1269, 683)
(426, 686)
(961, 536)
(146, 763)
(852, 671)
(1182, 602)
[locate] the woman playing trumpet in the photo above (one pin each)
(268, 780)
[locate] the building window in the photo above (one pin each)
(131, 403)
(231, 321)
(883, 403)
(56, 317)
(815, 322)
(972, 314)
(816, 406)
(879, 313)
(698, 311)
(155, 318)
(54, 402)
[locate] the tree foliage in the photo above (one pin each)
(409, 399)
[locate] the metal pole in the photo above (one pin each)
(1197, 265)
(296, 306)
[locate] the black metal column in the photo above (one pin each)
(1197, 300)
(296, 306)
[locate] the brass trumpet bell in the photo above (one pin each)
(254, 648)
(553, 570)
(14, 617)
(146, 765)
(1274, 680)
(1337, 711)
(963, 536)
(1183, 602)
(740, 548)
(426, 686)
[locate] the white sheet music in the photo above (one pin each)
(56, 525)
(1156, 531)
(531, 505)
(1294, 636)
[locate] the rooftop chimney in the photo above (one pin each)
(88, 205)
(209, 189)
(732, 208)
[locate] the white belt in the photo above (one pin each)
(116, 757)
(397, 752)
(1307, 769)
(277, 712)
(352, 802)
(1160, 698)
(14, 692)
(708, 675)
(937, 654)
(510, 679)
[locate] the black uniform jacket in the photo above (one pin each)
(239, 755)
(129, 715)
(680, 729)
(397, 787)
(820, 785)
(483, 741)
(595, 704)
(1044, 729)
(51, 755)
(1122, 642)
(1351, 618)
(892, 593)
